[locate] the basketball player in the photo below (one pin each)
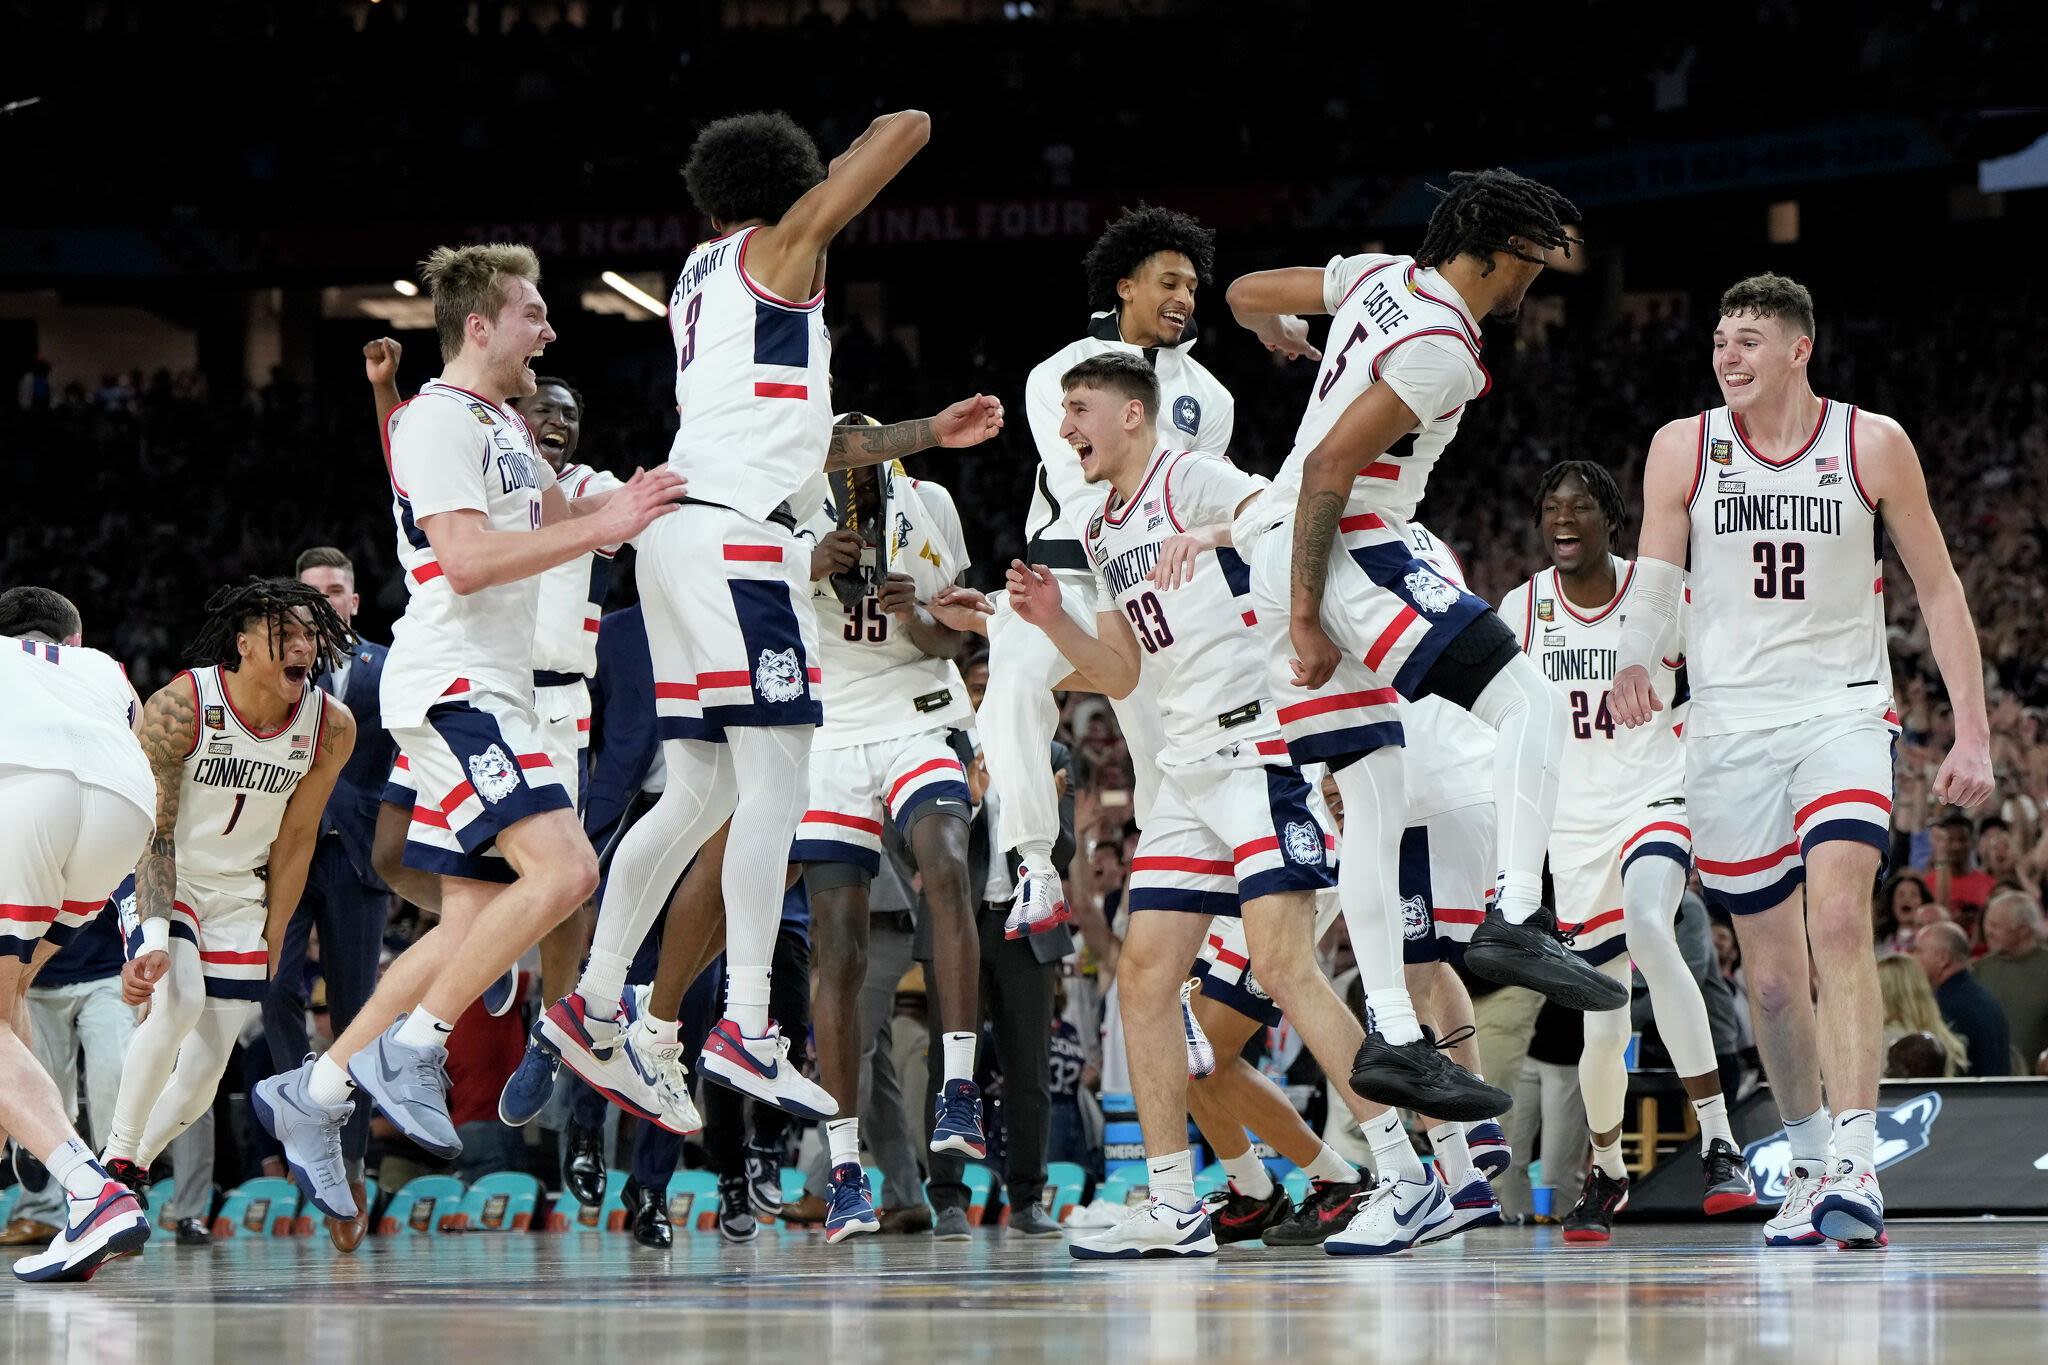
(479, 519)
(1777, 499)
(724, 583)
(75, 805)
(245, 748)
(1404, 363)
(1142, 276)
(891, 693)
(1620, 848)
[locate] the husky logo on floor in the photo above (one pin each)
(493, 775)
(1414, 918)
(1187, 413)
(777, 678)
(1303, 842)
(1901, 1131)
(1431, 594)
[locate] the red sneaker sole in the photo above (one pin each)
(1587, 1235)
(1729, 1203)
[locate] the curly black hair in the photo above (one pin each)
(751, 166)
(1595, 479)
(1142, 233)
(1482, 209)
(234, 608)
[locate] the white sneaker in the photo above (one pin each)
(1155, 1230)
(676, 1111)
(613, 1067)
(1394, 1218)
(1792, 1225)
(1201, 1056)
(1039, 905)
(761, 1067)
(95, 1231)
(1100, 1214)
(1849, 1208)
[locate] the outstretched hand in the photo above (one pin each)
(1034, 593)
(1288, 335)
(969, 422)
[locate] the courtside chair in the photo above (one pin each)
(693, 1201)
(426, 1203)
(980, 1182)
(311, 1220)
(499, 1202)
(267, 1204)
(1063, 1183)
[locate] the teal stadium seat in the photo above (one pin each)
(427, 1204)
(1063, 1184)
(499, 1202)
(267, 1204)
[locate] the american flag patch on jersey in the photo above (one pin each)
(1828, 463)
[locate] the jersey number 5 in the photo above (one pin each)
(1779, 569)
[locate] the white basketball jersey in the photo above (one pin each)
(237, 780)
(1202, 660)
(753, 384)
(1399, 323)
(1449, 752)
(1787, 587)
(1611, 773)
(66, 709)
(572, 594)
(878, 684)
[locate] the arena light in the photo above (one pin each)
(406, 287)
(635, 293)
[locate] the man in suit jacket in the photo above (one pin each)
(344, 900)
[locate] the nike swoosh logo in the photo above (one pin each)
(388, 1073)
(1412, 1214)
(1183, 1224)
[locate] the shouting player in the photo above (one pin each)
(1777, 500)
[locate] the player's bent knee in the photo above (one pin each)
(1472, 659)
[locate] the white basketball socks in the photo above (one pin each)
(1249, 1175)
(1391, 1149)
(960, 1057)
(1172, 1179)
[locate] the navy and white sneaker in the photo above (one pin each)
(1158, 1229)
(849, 1205)
(531, 1084)
(956, 1120)
(1472, 1205)
(501, 995)
(111, 1223)
(310, 1134)
(764, 1179)
(1039, 906)
(1201, 1055)
(410, 1086)
(1489, 1147)
(613, 1069)
(1849, 1208)
(761, 1067)
(1395, 1218)
(1792, 1225)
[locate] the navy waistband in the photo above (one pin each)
(547, 679)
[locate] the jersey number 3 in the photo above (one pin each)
(687, 351)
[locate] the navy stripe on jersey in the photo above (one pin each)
(780, 336)
(600, 579)
(1236, 572)
(414, 536)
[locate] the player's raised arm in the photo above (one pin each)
(380, 367)
(1889, 469)
(1269, 304)
(169, 730)
(291, 852)
(1659, 586)
(783, 257)
(968, 422)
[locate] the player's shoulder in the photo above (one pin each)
(1874, 430)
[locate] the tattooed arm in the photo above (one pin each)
(968, 422)
(291, 852)
(169, 729)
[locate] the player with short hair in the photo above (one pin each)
(1778, 501)
(1620, 848)
(76, 798)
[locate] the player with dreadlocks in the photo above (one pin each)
(245, 748)
(1621, 844)
(1354, 622)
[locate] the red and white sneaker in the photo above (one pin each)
(613, 1069)
(109, 1224)
(1849, 1208)
(1792, 1225)
(1039, 906)
(761, 1067)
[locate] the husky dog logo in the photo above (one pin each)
(493, 774)
(1431, 593)
(1902, 1130)
(1303, 842)
(1415, 920)
(1187, 413)
(1252, 986)
(777, 677)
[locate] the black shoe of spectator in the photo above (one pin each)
(647, 1216)
(736, 1221)
(193, 1232)
(583, 1172)
(764, 1179)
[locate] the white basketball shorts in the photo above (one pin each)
(853, 790)
(480, 765)
(225, 926)
(1589, 901)
(64, 847)
(1225, 831)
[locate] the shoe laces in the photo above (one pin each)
(1451, 1039)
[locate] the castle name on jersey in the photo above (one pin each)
(1383, 308)
(1130, 568)
(694, 273)
(1579, 665)
(1803, 512)
(245, 774)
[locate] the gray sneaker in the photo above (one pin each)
(311, 1137)
(1030, 1220)
(410, 1084)
(951, 1226)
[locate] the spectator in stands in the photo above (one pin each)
(1944, 954)
(2015, 972)
(1952, 876)
(1913, 1022)
(1892, 911)
(1997, 855)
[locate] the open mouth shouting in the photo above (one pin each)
(295, 674)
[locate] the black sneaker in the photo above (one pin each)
(1421, 1077)
(1592, 1220)
(1235, 1217)
(764, 1179)
(1728, 1184)
(736, 1221)
(583, 1173)
(1537, 954)
(133, 1176)
(647, 1216)
(1330, 1206)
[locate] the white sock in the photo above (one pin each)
(329, 1082)
(1393, 1014)
(1249, 1175)
(1391, 1148)
(1172, 1179)
(603, 984)
(1855, 1142)
(1712, 1113)
(746, 999)
(422, 1029)
(1608, 1159)
(1809, 1138)
(1447, 1140)
(658, 1032)
(960, 1057)
(1518, 895)
(1037, 855)
(1331, 1168)
(72, 1165)
(843, 1136)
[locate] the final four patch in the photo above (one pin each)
(1720, 451)
(216, 718)
(483, 414)
(1545, 609)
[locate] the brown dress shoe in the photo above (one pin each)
(809, 1209)
(907, 1218)
(26, 1232)
(347, 1233)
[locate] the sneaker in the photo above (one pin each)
(29, 1172)
(736, 1221)
(1030, 1220)
(1201, 1056)
(950, 1225)
(850, 1205)
(956, 1120)
(193, 1232)
(764, 1179)
(647, 1215)
(1472, 1205)
(310, 1134)
(1098, 1213)
(1395, 1216)
(1592, 1218)
(1421, 1077)
(1039, 906)
(96, 1230)
(674, 1109)
(501, 995)
(531, 1085)
(1330, 1205)
(410, 1086)
(1489, 1148)
(1849, 1208)
(583, 1168)
(1537, 954)
(761, 1067)
(124, 1172)
(614, 1069)
(1158, 1229)
(1792, 1225)
(1728, 1183)
(1240, 1218)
